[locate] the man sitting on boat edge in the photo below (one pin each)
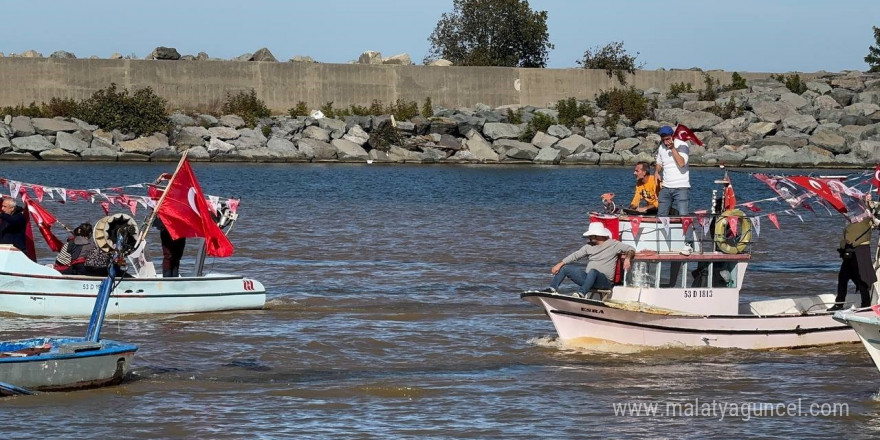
(602, 253)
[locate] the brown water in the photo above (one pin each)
(394, 312)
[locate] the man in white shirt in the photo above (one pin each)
(672, 169)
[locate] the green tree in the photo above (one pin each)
(612, 58)
(873, 58)
(491, 33)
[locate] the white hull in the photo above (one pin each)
(27, 288)
(583, 318)
(867, 328)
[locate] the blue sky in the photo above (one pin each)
(741, 35)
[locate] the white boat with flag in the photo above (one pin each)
(33, 289)
(866, 326)
(669, 299)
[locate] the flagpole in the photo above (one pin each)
(152, 216)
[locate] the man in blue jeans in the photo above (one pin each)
(672, 169)
(602, 253)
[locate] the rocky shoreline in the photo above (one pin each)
(835, 123)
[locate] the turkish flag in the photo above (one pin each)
(685, 134)
(185, 213)
(44, 221)
(876, 179)
(821, 188)
(729, 198)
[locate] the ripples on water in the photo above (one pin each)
(393, 311)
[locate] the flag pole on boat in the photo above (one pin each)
(152, 217)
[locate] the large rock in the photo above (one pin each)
(62, 54)
(669, 115)
(441, 125)
(725, 127)
(605, 146)
(233, 121)
(548, 155)
(515, 149)
(480, 148)
(283, 148)
(218, 147)
(145, 145)
(58, 154)
(349, 150)
(800, 123)
(596, 134)
(773, 111)
(181, 119)
(869, 150)
(574, 144)
(31, 144)
(830, 141)
(192, 136)
(22, 126)
(794, 100)
(263, 55)
(500, 130)
(826, 102)
(585, 158)
(223, 133)
(249, 139)
(357, 135)
(335, 127)
(198, 154)
(402, 59)
(625, 144)
(165, 155)
(559, 131)
(315, 149)
(72, 142)
(370, 57)
(99, 152)
(543, 140)
(861, 109)
(818, 87)
(165, 53)
(317, 133)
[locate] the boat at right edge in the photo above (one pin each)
(669, 299)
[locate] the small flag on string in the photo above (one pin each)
(733, 223)
(635, 222)
(756, 224)
(665, 222)
(752, 207)
(773, 219)
(106, 207)
(686, 223)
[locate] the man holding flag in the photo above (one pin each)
(673, 171)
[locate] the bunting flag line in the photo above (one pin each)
(665, 222)
(773, 219)
(705, 223)
(733, 223)
(686, 223)
(756, 225)
(752, 207)
(876, 180)
(635, 222)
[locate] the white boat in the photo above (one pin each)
(668, 299)
(867, 327)
(31, 289)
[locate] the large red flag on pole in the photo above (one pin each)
(686, 134)
(184, 212)
(44, 221)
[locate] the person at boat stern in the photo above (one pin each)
(71, 259)
(602, 253)
(645, 198)
(855, 251)
(172, 251)
(673, 172)
(12, 224)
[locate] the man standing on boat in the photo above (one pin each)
(646, 191)
(13, 224)
(673, 171)
(602, 253)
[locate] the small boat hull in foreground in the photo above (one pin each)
(58, 364)
(867, 327)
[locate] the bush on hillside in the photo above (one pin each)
(246, 105)
(792, 82)
(627, 102)
(141, 113)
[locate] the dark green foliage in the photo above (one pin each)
(327, 110)
(710, 92)
(491, 33)
(539, 122)
(628, 102)
(514, 117)
(728, 111)
(359, 110)
(676, 89)
(376, 107)
(792, 82)
(402, 110)
(246, 105)
(427, 108)
(572, 112)
(612, 58)
(267, 130)
(873, 57)
(31, 111)
(384, 136)
(140, 113)
(301, 109)
(60, 107)
(737, 82)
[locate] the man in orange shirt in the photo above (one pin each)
(646, 191)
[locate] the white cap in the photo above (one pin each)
(597, 229)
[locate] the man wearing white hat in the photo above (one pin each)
(602, 253)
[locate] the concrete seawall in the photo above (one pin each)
(204, 84)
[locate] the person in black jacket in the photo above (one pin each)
(12, 224)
